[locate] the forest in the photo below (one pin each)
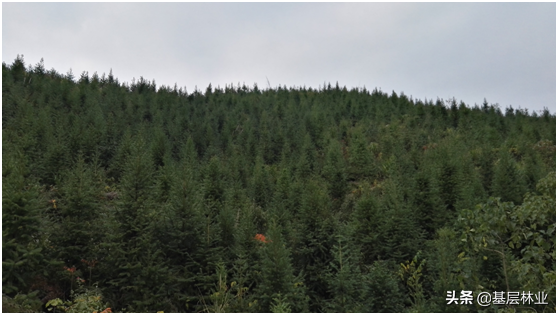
(133, 197)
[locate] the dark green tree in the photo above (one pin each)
(334, 172)
(344, 277)
(278, 278)
(133, 265)
(508, 181)
(22, 259)
(79, 229)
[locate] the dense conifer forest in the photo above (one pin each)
(138, 198)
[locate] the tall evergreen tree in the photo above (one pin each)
(427, 204)
(508, 182)
(306, 162)
(277, 275)
(360, 158)
(79, 230)
(22, 259)
(133, 262)
(334, 171)
(344, 278)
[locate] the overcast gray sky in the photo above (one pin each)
(504, 52)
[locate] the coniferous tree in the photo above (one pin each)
(133, 257)
(306, 162)
(277, 275)
(344, 278)
(443, 263)
(212, 183)
(160, 148)
(21, 225)
(381, 292)
(334, 172)
(508, 181)
(262, 185)
(533, 170)
(179, 235)
(79, 229)
(315, 230)
(427, 204)
(360, 157)
(367, 221)
(400, 232)
(18, 68)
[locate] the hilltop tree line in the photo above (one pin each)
(141, 198)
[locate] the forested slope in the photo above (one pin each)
(145, 198)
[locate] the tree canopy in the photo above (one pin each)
(134, 197)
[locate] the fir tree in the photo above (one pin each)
(508, 181)
(360, 157)
(334, 172)
(381, 292)
(21, 225)
(277, 275)
(344, 278)
(79, 230)
(133, 256)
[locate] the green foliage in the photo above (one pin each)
(334, 172)
(86, 301)
(445, 264)
(367, 222)
(428, 204)
(306, 161)
(360, 157)
(278, 280)
(21, 303)
(77, 229)
(344, 278)
(508, 181)
(221, 297)
(21, 227)
(280, 305)
(382, 292)
(411, 274)
(534, 235)
(522, 237)
(240, 199)
(314, 234)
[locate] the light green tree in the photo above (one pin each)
(522, 237)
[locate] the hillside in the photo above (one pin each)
(241, 199)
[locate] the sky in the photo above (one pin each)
(504, 52)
